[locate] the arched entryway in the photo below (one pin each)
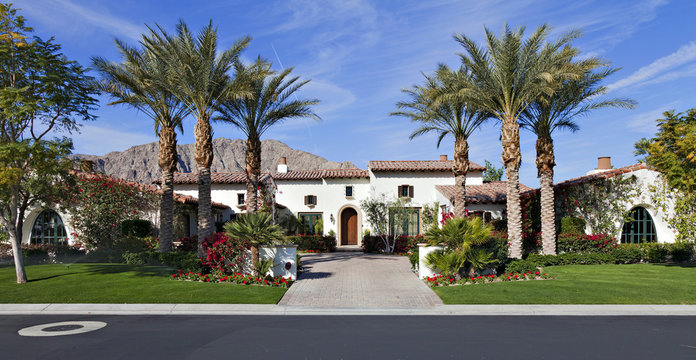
(641, 228)
(349, 227)
(48, 229)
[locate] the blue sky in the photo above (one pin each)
(359, 54)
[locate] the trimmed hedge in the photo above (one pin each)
(41, 254)
(180, 260)
(313, 242)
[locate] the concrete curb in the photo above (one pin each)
(257, 309)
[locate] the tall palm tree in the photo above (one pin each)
(200, 79)
(141, 81)
(547, 114)
(452, 116)
(507, 75)
(267, 105)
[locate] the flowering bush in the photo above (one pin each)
(441, 280)
(581, 244)
(187, 243)
(224, 255)
(233, 278)
(98, 204)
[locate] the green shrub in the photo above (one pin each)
(136, 258)
(520, 266)
(572, 225)
(627, 254)
(414, 257)
(136, 227)
(681, 252)
(180, 260)
(655, 252)
(313, 242)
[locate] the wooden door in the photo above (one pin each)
(349, 227)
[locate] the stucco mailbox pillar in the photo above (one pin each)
(423, 251)
(284, 259)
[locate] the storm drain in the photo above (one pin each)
(62, 328)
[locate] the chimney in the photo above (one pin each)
(604, 163)
(283, 165)
(443, 157)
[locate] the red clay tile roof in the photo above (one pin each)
(215, 178)
(490, 192)
(587, 178)
(322, 174)
(188, 199)
(418, 165)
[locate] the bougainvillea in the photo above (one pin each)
(98, 204)
(223, 254)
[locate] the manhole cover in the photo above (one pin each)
(62, 328)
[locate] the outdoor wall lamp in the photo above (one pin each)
(332, 219)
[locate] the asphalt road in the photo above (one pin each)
(356, 337)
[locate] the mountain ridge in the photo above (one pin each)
(140, 162)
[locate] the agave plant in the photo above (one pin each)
(464, 239)
(257, 229)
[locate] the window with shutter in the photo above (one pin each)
(349, 191)
(410, 191)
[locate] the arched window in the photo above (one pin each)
(640, 229)
(48, 229)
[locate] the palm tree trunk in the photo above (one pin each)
(166, 233)
(254, 259)
(512, 157)
(545, 163)
(167, 162)
(460, 169)
(253, 166)
(204, 158)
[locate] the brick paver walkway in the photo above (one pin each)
(357, 280)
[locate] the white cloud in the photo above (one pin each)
(99, 140)
(58, 10)
(683, 55)
(645, 122)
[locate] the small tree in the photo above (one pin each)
(257, 229)
(463, 239)
(493, 173)
(383, 214)
(672, 153)
(41, 93)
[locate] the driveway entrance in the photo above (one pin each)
(357, 280)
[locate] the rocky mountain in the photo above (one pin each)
(139, 163)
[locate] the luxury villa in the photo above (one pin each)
(332, 197)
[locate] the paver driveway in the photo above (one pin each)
(357, 280)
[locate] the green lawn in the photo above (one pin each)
(587, 284)
(122, 284)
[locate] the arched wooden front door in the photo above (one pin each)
(349, 227)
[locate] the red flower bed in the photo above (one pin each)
(234, 278)
(441, 280)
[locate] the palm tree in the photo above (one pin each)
(267, 105)
(200, 79)
(507, 75)
(464, 240)
(256, 228)
(453, 116)
(557, 112)
(140, 81)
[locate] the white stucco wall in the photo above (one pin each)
(331, 199)
(645, 179)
